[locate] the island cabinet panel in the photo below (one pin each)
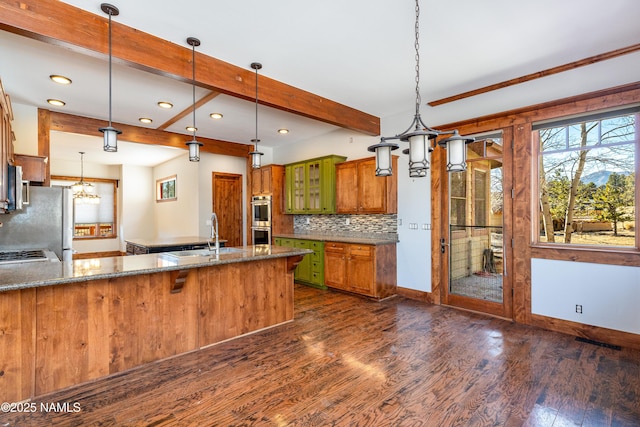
(17, 347)
(237, 299)
(93, 329)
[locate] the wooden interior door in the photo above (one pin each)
(227, 204)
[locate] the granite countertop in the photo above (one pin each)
(47, 273)
(170, 241)
(362, 238)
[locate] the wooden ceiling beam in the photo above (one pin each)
(86, 126)
(61, 24)
(539, 74)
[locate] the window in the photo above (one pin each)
(94, 221)
(166, 189)
(586, 180)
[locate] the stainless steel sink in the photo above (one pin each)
(202, 252)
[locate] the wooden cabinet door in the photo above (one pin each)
(372, 189)
(314, 187)
(335, 265)
(361, 270)
(303, 270)
(346, 187)
(261, 181)
(256, 182)
(298, 188)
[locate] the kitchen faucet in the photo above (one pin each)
(214, 233)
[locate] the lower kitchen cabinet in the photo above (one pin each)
(363, 269)
(310, 271)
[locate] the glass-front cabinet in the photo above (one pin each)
(311, 185)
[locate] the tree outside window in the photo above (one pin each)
(587, 170)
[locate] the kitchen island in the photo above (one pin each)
(137, 246)
(65, 323)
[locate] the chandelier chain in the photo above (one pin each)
(417, 46)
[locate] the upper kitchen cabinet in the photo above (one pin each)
(265, 179)
(34, 168)
(311, 186)
(360, 191)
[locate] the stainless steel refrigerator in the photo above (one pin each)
(46, 222)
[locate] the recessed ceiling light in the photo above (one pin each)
(60, 79)
(283, 131)
(191, 129)
(56, 102)
(145, 120)
(165, 104)
(215, 115)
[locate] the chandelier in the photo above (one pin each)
(83, 192)
(421, 137)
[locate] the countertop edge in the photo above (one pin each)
(180, 265)
(337, 238)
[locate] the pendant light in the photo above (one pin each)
(110, 133)
(83, 192)
(422, 138)
(256, 156)
(194, 145)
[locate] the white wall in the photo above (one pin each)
(210, 163)
(179, 217)
(136, 204)
(608, 294)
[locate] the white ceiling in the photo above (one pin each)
(357, 52)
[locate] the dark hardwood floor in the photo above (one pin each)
(348, 361)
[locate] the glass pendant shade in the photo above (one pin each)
(194, 150)
(383, 157)
(456, 147)
(256, 159)
(419, 149)
(110, 138)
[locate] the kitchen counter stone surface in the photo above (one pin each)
(45, 273)
(170, 241)
(362, 238)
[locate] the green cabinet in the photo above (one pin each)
(310, 271)
(311, 185)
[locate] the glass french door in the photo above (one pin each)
(477, 267)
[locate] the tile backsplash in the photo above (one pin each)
(365, 224)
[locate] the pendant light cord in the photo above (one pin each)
(110, 68)
(256, 108)
(193, 78)
(417, 46)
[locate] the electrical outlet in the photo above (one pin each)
(308, 221)
(347, 221)
(579, 308)
(399, 221)
(426, 226)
